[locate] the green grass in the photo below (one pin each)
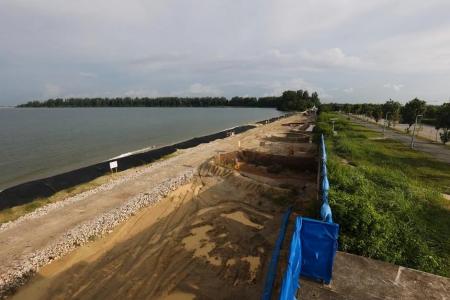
(387, 198)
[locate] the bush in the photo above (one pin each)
(445, 136)
(389, 206)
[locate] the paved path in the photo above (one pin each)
(426, 131)
(439, 152)
(357, 277)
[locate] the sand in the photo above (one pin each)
(209, 239)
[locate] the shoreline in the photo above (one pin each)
(150, 148)
(23, 268)
(27, 192)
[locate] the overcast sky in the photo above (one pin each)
(347, 50)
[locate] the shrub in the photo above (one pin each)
(389, 206)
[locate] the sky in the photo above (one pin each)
(346, 50)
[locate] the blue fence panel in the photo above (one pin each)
(290, 279)
(270, 277)
(325, 213)
(312, 252)
(325, 210)
(319, 246)
(314, 243)
(323, 149)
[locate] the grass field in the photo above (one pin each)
(387, 198)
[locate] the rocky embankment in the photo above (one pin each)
(21, 270)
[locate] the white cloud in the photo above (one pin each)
(425, 50)
(395, 87)
(87, 74)
(203, 90)
(276, 88)
(333, 57)
(52, 90)
(141, 93)
(165, 46)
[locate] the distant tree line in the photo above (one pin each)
(394, 112)
(289, 101)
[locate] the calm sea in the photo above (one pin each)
(40, 142)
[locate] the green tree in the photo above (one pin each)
(377, 112)
(411, 110)
(298, 100)
(391, 109)
(443, 121)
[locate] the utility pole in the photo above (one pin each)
(414, 131)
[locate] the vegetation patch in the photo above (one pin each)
(389, 202)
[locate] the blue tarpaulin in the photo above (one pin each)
(319, 245)
(290, 278)
(325, 209)
(270, 277)
(314, 243)
(312, 251)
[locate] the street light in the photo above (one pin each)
(332, 121)
(386, 120)
(314, 109)
(414, 131)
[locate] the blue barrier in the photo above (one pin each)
(323, 149)
(319, 245)
(314, 242)
(270, 277)
(325, 213)
(325, 210)
(312, 252)
(290, 279)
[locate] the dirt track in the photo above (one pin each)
(125, 259)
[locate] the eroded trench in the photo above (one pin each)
(290, 178)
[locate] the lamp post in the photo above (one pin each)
(332, 121)
(414, 131)
(386, 120)
(314, 109)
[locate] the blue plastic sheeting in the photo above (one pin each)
(323, 150)
(312, 252)
(290, 278)
(324, 172)
(314, 243)
(325, 184)
(325, 210)
(319, 245)
(270, 277)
